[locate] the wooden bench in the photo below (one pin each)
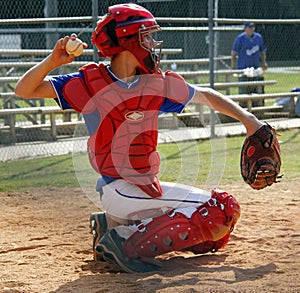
(227, 85)
(50, 110)
(225, 72)
(201, 115)
(194, 118)
(188, 61)
(195, 75)
(256, 97)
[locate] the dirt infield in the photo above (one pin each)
(45, 246)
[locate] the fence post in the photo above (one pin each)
(211, 60)
(51, 10)
(53, 129)
(12, 128)
(95, 11)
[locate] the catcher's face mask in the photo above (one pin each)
(148, 43)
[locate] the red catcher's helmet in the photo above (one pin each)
(128, 27)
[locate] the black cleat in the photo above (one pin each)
(98, 226)
(111, 248)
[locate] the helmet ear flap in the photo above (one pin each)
(102, 42)
(105, 38)
(101, 38)
(110, 30)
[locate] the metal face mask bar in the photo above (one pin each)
(148, 43)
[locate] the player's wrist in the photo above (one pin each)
(252, 124)
(52, 62)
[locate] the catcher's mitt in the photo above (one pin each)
(260, 158)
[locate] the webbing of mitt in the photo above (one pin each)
(260, 158)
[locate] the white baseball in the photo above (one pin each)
(74, 47)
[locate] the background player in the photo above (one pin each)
(250, 49)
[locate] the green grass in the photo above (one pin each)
(285, 82)
(53, 171)
(188, 162)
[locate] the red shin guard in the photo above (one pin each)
(207, 230)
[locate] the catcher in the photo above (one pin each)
(120, 103)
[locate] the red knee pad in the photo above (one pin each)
(231, 207)
(211, 222)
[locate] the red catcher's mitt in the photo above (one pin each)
(260, 158)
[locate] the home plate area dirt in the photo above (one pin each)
(46, 246)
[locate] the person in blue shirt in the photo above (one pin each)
(250, 49)
(249, 53)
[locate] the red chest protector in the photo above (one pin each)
(124, 145)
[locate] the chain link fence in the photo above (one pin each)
(198, 38)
